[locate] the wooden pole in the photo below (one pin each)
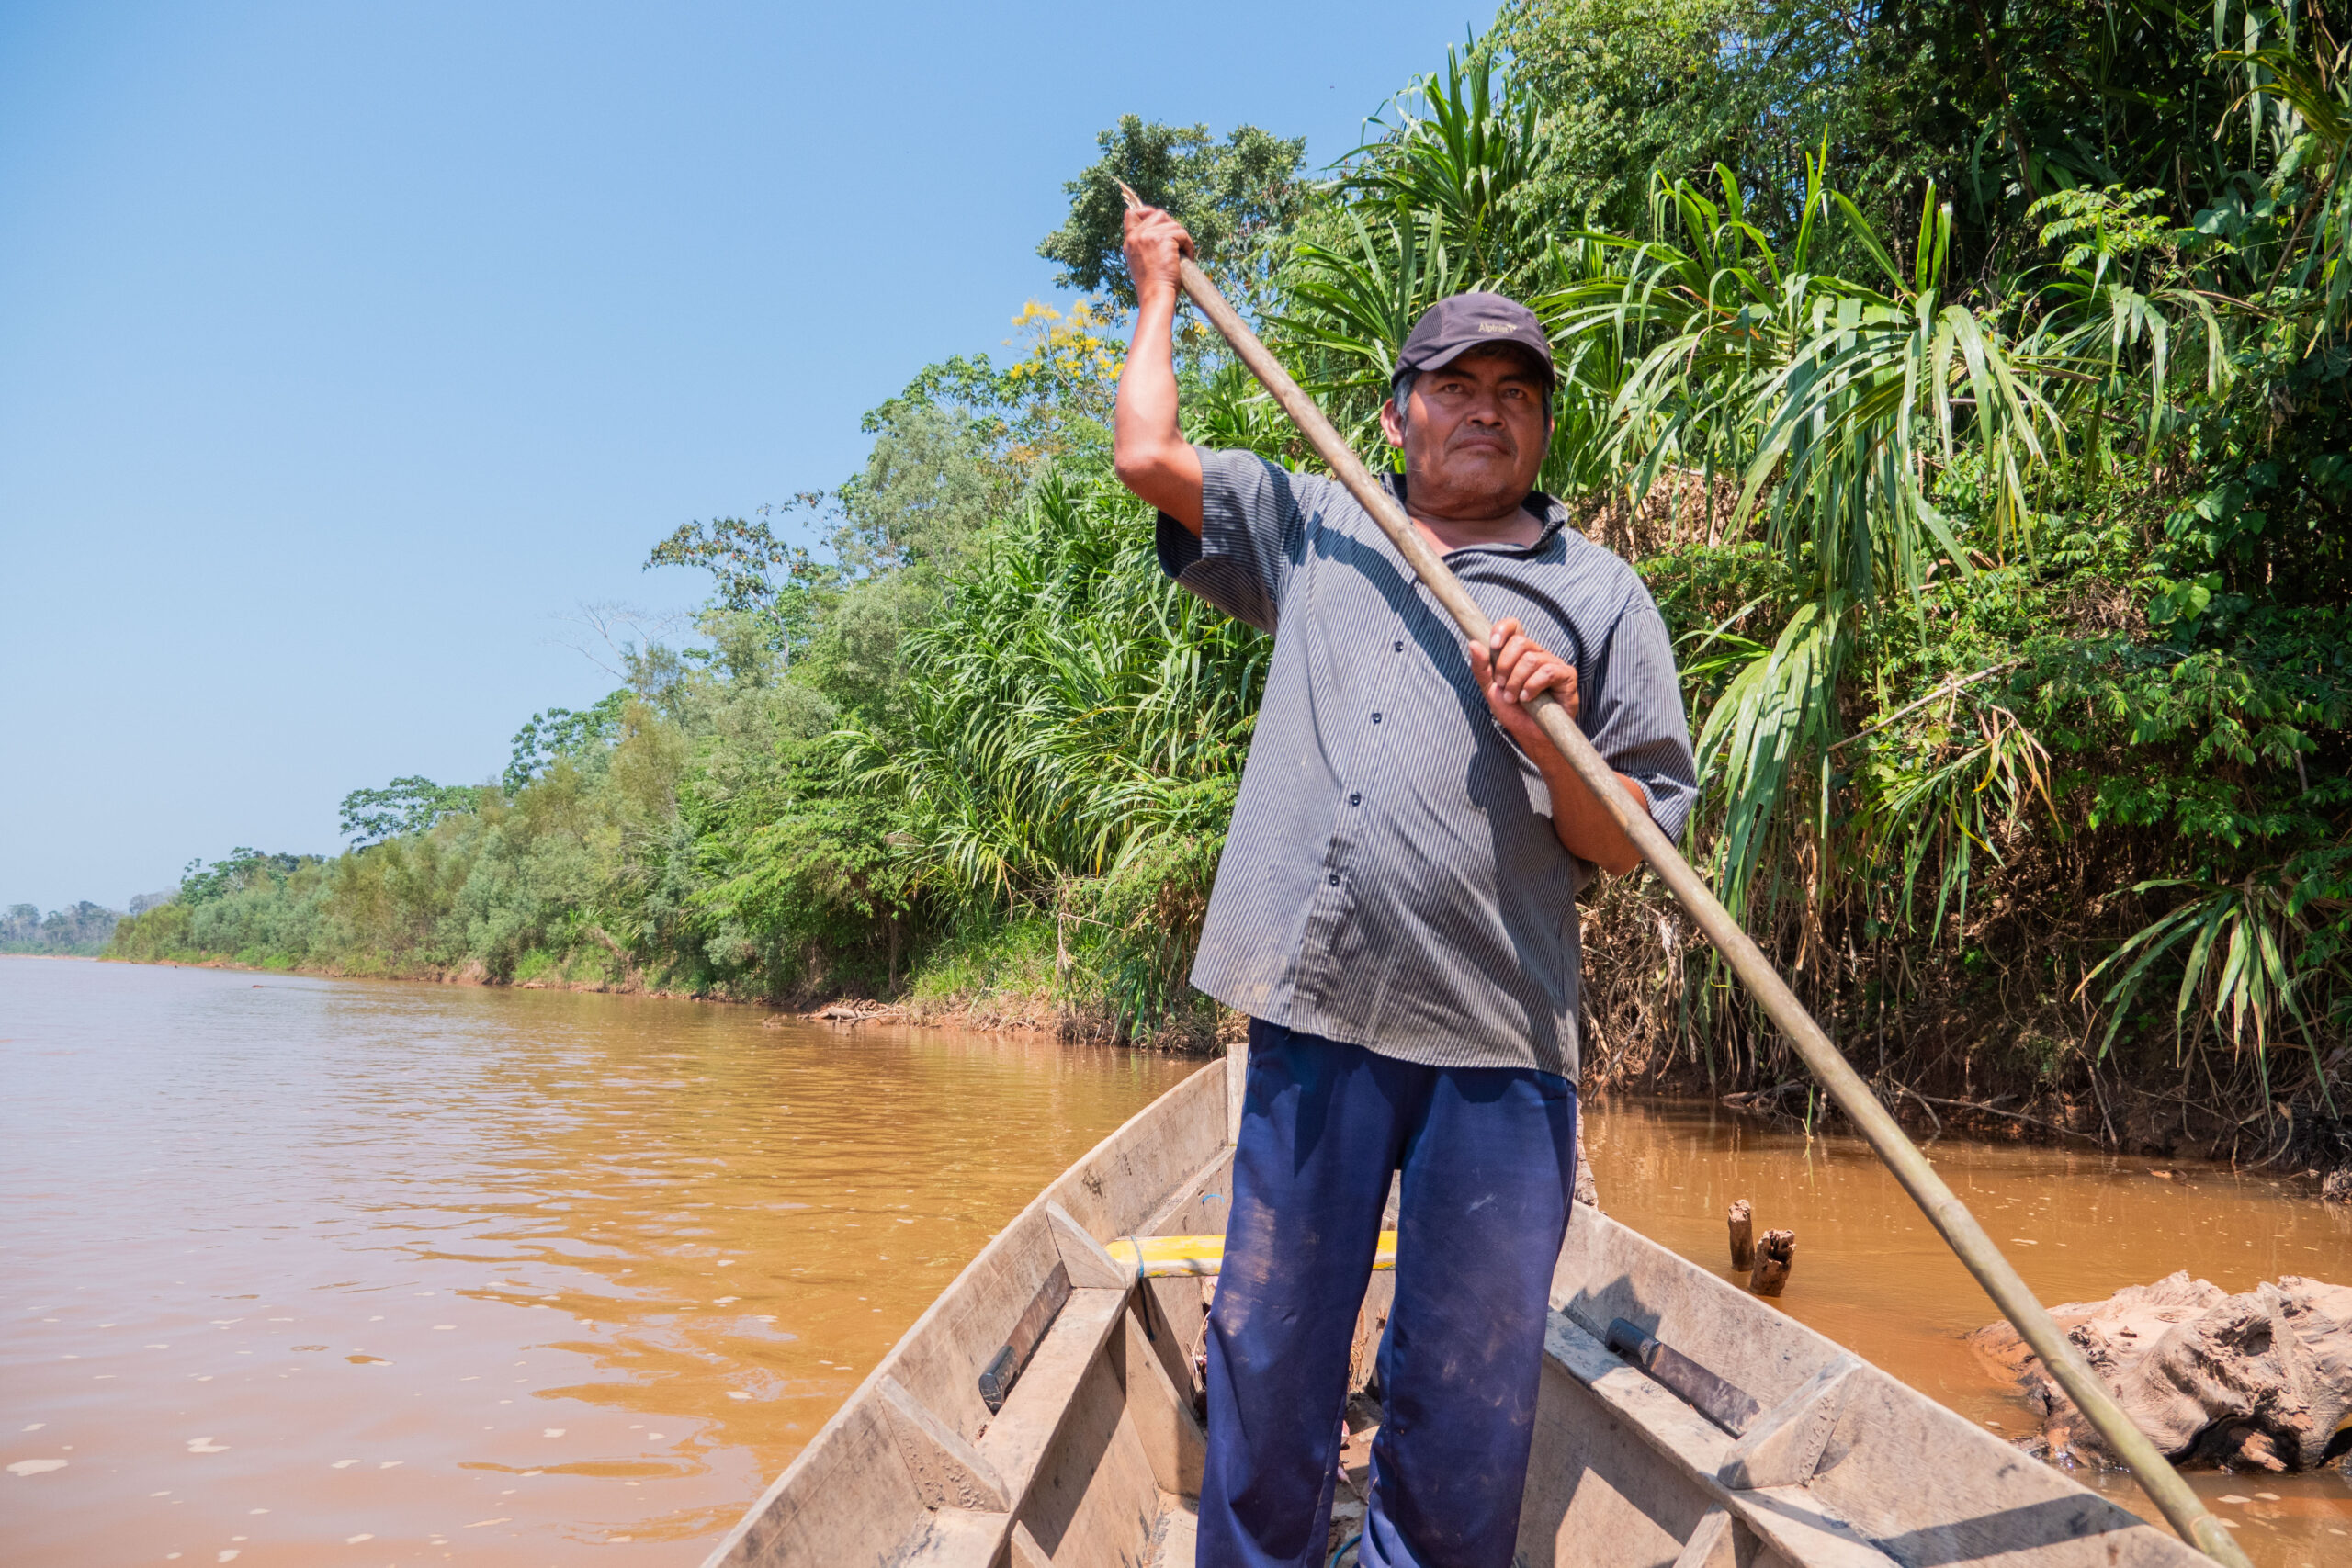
(1944, 1210)
(1741, 1222)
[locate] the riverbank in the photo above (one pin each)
(431, 975)
(931, 1002)
(2115, 1119)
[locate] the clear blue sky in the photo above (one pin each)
(345, 349)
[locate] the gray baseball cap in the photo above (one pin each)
(1452, 327)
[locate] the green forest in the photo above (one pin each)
(79, 929)
(1971, 385)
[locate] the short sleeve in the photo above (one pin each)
(1251, 539)
(1634, 714)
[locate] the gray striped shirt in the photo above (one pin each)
(1392, 878)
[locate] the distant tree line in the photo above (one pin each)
(81, 928)
(1973, 389)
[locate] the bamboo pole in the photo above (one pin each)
(1944, 1210)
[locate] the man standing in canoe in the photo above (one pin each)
(1396, 913)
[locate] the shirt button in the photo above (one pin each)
(1400, 647)
(1376, 719)
(1335, 879)
(1355, 800)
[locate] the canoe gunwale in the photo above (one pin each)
(1887, 1470)
(1844, 1466)
(1194, 1112)
(1790, 1519)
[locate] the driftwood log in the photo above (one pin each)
(2261, 1380)
(1743, 1234)
(1774, 1255)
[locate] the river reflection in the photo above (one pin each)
(310, 1271)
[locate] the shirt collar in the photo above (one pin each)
(1546, 508)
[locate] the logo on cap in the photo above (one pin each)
(1495, 327)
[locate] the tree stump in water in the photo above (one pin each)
(1775, 1254)
(1743, 1234)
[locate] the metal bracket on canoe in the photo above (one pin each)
(1727, 1405)
(1797, 1527)
(1004, 1368)
(1085, 1264)
(1785, 1445)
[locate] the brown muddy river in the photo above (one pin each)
(310, 1271)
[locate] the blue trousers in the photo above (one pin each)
(1488, 1157)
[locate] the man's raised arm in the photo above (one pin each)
(1149, 449)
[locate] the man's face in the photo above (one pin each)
(1473, 433)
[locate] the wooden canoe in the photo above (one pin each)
(1092, 1456)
